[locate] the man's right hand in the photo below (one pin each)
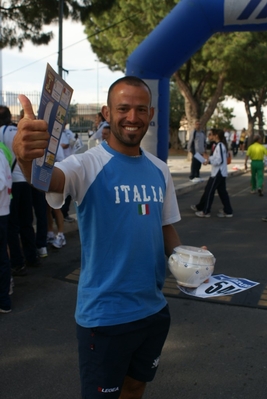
(32, 136)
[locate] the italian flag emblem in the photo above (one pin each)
(143, 209)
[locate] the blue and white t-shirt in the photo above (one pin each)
(122, 204)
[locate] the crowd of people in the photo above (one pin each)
(22, 246)
(21, 205)
(236, 140)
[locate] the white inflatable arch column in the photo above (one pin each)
(188, 26)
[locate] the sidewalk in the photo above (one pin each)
(180, 170)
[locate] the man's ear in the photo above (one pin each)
(152, 111)
(106, 112)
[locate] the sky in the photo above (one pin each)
(23, 71)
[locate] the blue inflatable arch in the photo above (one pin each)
(188, 26)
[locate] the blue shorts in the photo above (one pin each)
(108, 354)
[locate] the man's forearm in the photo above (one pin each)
(26, 168)
(57, 180)
(171, 239)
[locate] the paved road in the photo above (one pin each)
(215, 349)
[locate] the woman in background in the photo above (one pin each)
(217, 180)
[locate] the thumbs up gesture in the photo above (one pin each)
(32, 136)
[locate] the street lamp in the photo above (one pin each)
(97, 83)
(60, 35)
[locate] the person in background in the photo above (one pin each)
(5, 192)
(217, 180)
(21, 235)
(211, 142)
(67, 142)
(196, 143)
(242, 140)
(96, 137)
(56, 240)
(39, 206)
(121, 191)
(234, 142)
(78, 143)
(106, 132)
(227, 136)
(256, 153)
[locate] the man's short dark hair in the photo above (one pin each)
(5, 115)
(257, 138)
(101, 116)
(130, 81)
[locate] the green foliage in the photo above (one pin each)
(73, 111)
(222, 118)
(23, 20)
(176, 106)
(232, 64)
(247, 62)
(115, 34)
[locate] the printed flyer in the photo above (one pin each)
(55, 101)
(219, 285)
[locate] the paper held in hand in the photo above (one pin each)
(199, 157)
(55, 101)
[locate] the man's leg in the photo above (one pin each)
(132, 389)
(119, 359)
(5, 270)
(39, 205)
(192, 169)
(195, 167)
(16, 255)
(201, 204)
(253, 176)
(260, 175)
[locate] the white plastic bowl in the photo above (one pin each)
(191, 266)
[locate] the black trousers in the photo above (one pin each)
(234, 147)
(20, 225)
(218, 183)
(39, 206)
(195, 168)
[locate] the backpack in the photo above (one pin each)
(7, 151)
(228, 157)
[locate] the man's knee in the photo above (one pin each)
(132, 389)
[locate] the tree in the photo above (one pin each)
(23, 20)
(247, 81)
(200, 81)
(176, 114)
(205, 78)
(222, 118)
(115, 34)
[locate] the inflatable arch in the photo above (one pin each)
(179, 35)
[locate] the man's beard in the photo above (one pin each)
(130, 140)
